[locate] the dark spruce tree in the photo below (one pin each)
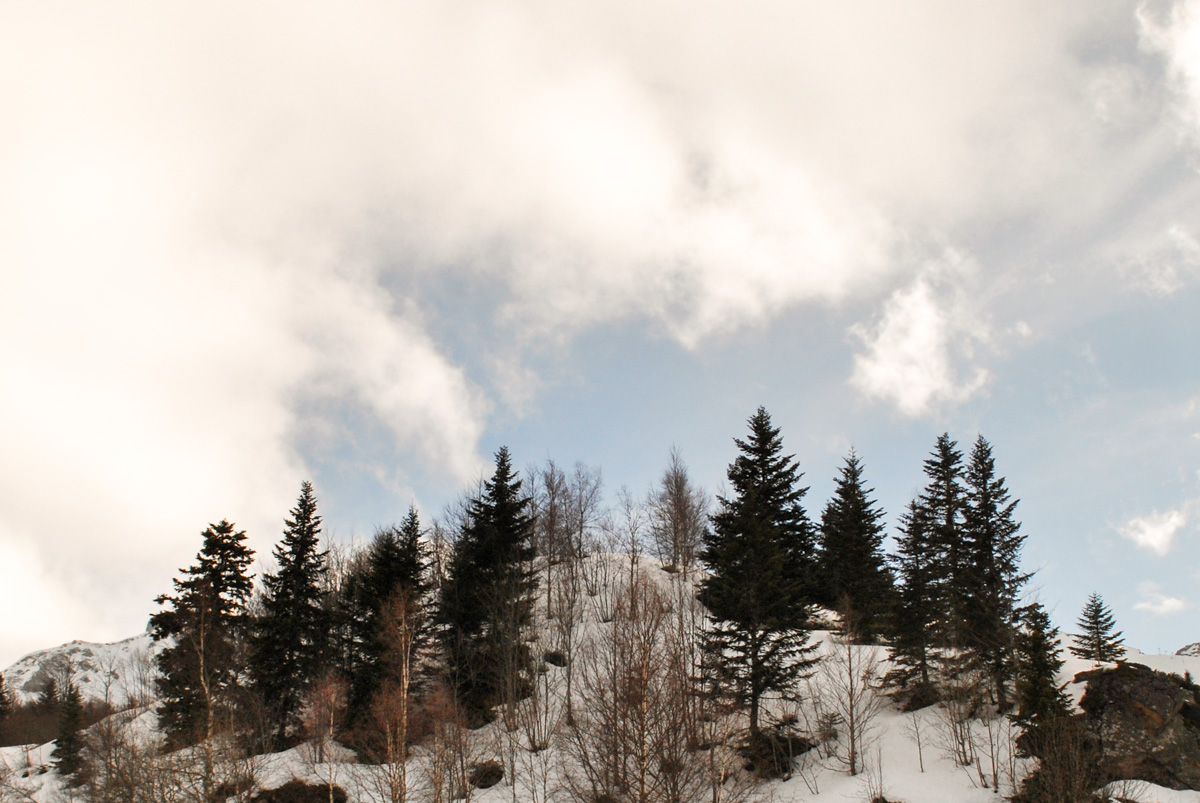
(991, 575)
(6, 702)
(290, 642)
(943, 505)
(855, 579)
(916, 610)
(487, 597)
(68, 754)
(760, 557)
(391, 581)
(205, 623)
(1040, 700)
(1096, 640)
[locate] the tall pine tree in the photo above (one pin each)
(1040, 699)
(392, 578)
(291, 637)
(992, 579)
(205, 624)
(1098, 639)
(68, 752)
(760, 557)
(855, 578)
(6, 703)
(916, 610)
(943, 504)
(487, 596)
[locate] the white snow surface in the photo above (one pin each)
(113, 670)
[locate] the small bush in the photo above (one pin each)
(297, 791)
(770, 753)
(486, 774)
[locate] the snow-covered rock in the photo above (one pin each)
(118, 672)
(1191, 650)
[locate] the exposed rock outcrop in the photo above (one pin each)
(1146, 724)
(1191, 649)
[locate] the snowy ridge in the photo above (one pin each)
(117, 672)
(1190, 650)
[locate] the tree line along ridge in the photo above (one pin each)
(430, 631)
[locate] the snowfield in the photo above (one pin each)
(894, 764)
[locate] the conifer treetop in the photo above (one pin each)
(1098, 639)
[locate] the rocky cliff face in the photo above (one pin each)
(1146, 724)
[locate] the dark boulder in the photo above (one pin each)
(1146, 724)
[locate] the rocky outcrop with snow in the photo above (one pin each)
(1192, 650)
(118, 672)
(1146, 724)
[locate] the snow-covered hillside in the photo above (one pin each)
(906, 757)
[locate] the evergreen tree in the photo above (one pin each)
(916, 608)
(992, 579)
(6, 702)
(855, 578)
(943, 505)
(1097, 641)
(487, 596)
(48, 698)
(760, 558)
(394, 573)
(205, 622)
(68, 754)
(1040, 698)
(291, 637)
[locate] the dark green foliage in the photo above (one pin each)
(6, 701)
(916, 606)
(207, 620)
(1096, 640)
(760, 558)
(991, 577)
(1040, 698)
(49, 698)
(290, 641)
(943, 504)
(390, 582)
(931, 561)
(68, 754)
(487, 596)
(855, 578)
(771, 753)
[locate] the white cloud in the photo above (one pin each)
(1166, 263)
(919, 355)
(1156, 603)
(1175, 33)
(1155, 531)
(216, 217)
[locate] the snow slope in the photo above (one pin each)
(895, 765)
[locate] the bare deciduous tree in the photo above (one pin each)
(678, 516)
(850, 678)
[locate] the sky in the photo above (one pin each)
(368, 244)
